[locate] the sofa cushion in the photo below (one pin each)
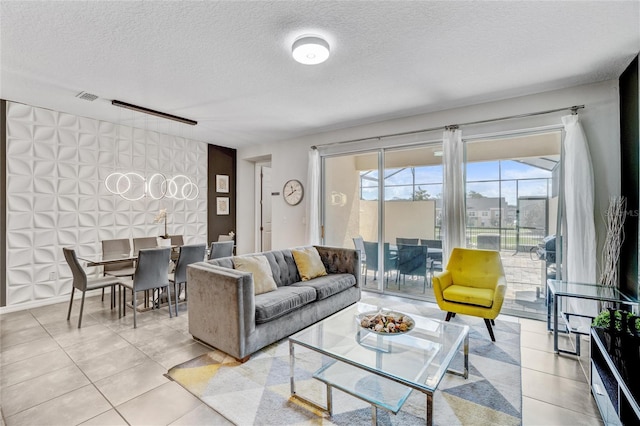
(469, 295)
(309, 263)
(259, 267)
(328, 285)
(225, 262)
(283, 266)
(275, 304)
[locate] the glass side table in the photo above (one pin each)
(556, 290)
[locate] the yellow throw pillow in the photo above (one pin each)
(309, 263)
(263, 281)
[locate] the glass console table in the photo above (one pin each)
(556, 307)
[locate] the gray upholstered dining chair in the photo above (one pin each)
(84, 284)
(120, 269)
(140, 243)
(152, 272)
(188, 254)
(144, 243)
(221, 249)
(177, 241)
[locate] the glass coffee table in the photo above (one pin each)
(378, 368)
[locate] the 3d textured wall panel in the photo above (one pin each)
(56, 167)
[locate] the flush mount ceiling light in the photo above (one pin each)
(310, 50)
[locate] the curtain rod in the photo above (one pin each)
(574, 110)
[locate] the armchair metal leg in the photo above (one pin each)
(488, 323)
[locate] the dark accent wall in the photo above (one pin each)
(3, 202)
(630, 176)
(222, 161)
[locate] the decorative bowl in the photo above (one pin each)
(385, 322)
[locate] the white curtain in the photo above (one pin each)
(580, 235)
(453, 198)
(313, 198)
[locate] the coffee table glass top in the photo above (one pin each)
(418, 359)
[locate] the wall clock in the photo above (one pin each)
(293, 192)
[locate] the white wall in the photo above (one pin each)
(600, 119)
(56, 166)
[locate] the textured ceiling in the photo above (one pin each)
(228, 64)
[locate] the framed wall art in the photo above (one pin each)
(222, 183)
(222, 204)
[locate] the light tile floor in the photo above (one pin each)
(107, 373)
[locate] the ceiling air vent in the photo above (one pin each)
(87, 96)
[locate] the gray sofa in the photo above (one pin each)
(225, 314)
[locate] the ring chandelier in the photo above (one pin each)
(133, 186)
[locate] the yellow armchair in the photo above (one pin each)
(473, 283)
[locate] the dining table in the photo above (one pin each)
(101, 259)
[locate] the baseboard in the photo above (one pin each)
(45, 302)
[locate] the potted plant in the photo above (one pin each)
(603, 320)
(162, 217)
(618, 331)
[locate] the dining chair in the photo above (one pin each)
(221, 249)
(431, 243)
(358, 242)
(84, 284)
(390, 260)
(412, 260)
(177, 241)
(408, 241)
(144, 243)
(188, 254)
(152, 272)
(225, 238)
(119, 269)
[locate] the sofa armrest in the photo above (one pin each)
(221, 306)
(339, 260)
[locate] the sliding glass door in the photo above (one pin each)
(382, 202)
(388, 204)
(350, 212)
(512, 205)
(412, 195)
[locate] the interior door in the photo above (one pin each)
(265, 208)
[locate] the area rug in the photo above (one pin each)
(258, 391)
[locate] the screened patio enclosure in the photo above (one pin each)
(391, 198)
